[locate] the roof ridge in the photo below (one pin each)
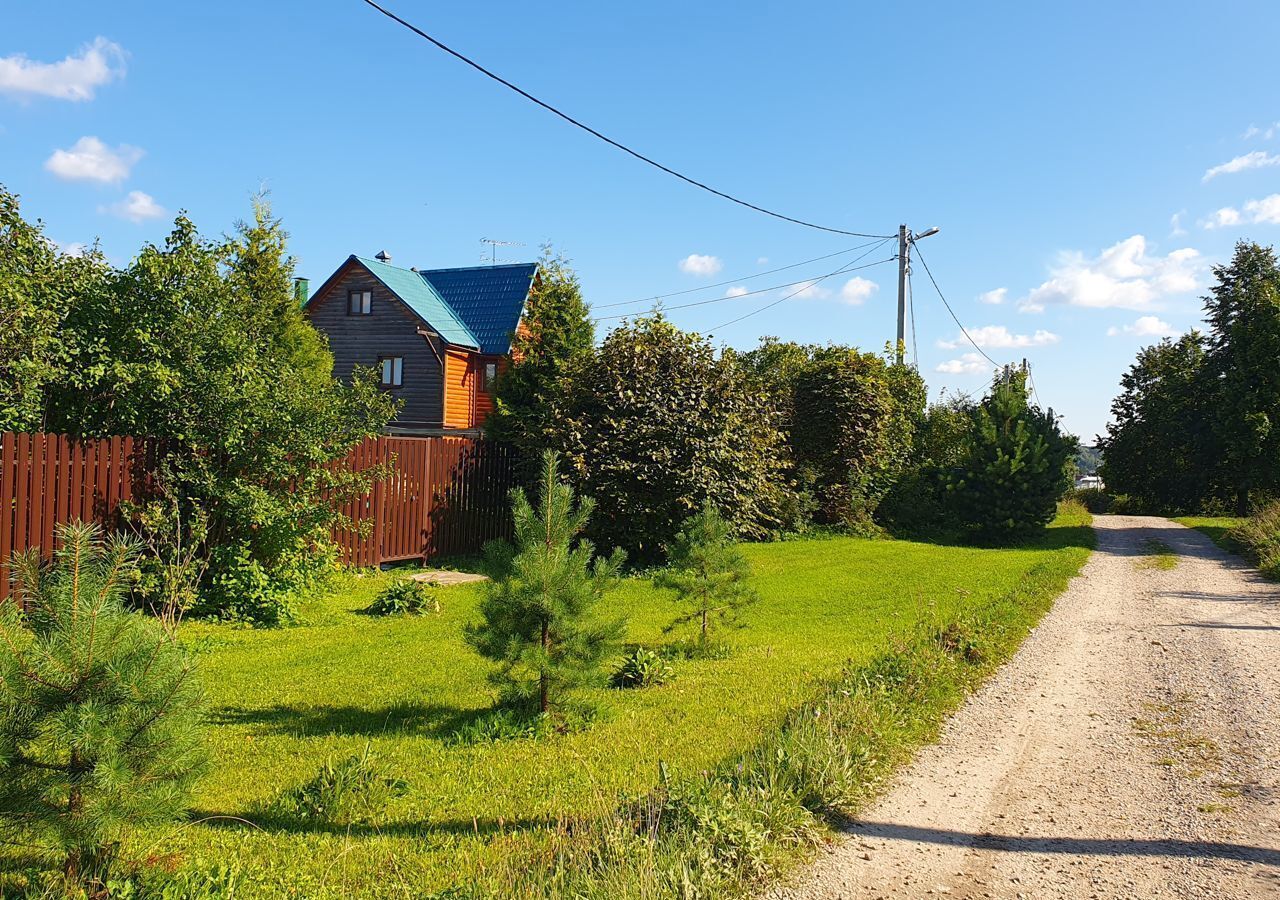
(474, 268)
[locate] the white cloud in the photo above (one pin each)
(993, 298)
(1266, 210)
(1145, 326)
(1258, 159)
(858, 290)
(136, 207)
(74, 78)
(811, 290)
(702, 266)
(967, 364)
(762, 261)
(1223, 218)
(1175, 224)
(736, 291)
(1256, 212)
(1124, 276)
(89, 159)
(72, 248)
(1266, 134)
(1000, 337)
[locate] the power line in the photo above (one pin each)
(750, 293)
(707, 287)
(816, 281)
(608, 140)
(963, 330)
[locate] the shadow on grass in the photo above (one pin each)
(427, 719)
(1060, 538)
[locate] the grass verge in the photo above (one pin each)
(1217, 528)
(707, 784)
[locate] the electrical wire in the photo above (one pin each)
(707, 287)
(963, 330)
(608, 140)
(816, 281)
(803, 281)
(807, 282)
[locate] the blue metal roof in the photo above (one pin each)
(425, 300)
(489, 299)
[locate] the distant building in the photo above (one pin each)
(1088, 481)
(437, 337)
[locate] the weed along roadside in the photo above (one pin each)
(715, 779)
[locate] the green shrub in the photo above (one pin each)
(99, 708)
(405, 596)
(659, 423)
(642, 668)
(344, 791)
(1258, 538)
(1095, 500)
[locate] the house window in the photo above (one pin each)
(392, 371)
(359, 303)
(488, 375)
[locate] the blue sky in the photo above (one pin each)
(1086, 163)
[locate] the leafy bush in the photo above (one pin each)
(344, 791)
(1096, 500)
(656, 425)
(243, 416)
(642, 668)
(853, 421)
(99, 708)
(1258, 538)
(405, 596)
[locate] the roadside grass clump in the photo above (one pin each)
(405, 596)
(1159, 556)
(640, 668)
(1258, 538)
(344, 791)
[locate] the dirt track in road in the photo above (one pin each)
(1131, 749)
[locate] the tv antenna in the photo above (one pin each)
(493, 248)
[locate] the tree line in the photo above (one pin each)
(1197, 422)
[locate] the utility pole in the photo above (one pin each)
(904, 263)
(905, 240)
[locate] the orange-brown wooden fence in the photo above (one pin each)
(444, 495)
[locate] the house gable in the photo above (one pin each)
(391, 329)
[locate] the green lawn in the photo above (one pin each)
(283, 701)
(1216, 527)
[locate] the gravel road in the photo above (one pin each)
(1130, 749)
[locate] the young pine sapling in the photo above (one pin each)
(538, 620)
(708, 573)
(99, 708)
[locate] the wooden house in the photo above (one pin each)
(437, 337)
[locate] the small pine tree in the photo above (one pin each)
(1015, 471)
(537, 611)
(708, 572)
(99, 709)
